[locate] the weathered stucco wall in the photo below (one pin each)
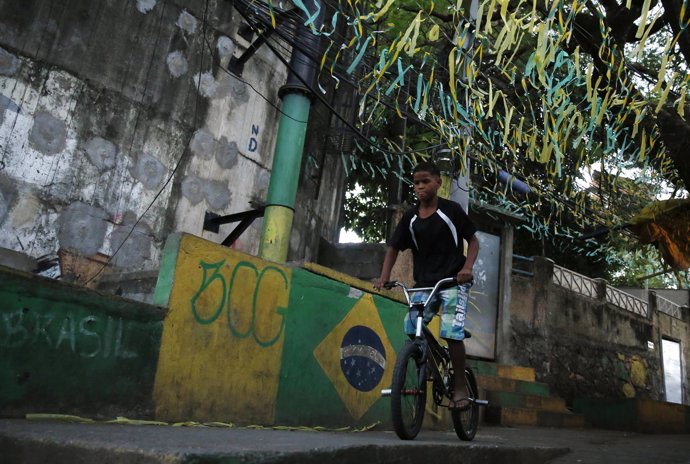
(584, 347)
(103, 102)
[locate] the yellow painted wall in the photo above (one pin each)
(223, 337)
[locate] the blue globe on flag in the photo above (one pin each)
(362, 358)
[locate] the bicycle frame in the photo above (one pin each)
(424, 360)
(423, 337)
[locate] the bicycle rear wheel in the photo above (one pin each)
(408, 392)
(466, 422)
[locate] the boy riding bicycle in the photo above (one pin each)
(434, 230)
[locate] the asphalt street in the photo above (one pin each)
(24, 441)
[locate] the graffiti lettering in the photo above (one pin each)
(84, 330)
(78, 335)
(245, 317)
(253, 143)
(67, 333)
(15, 332)
(42, 323)
(206, 282)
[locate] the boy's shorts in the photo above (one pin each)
(453, 304)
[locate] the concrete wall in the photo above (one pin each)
(102, 102)
(361, 260)
(244, 340)
(70, 350)
(584, 347)
(250, 341)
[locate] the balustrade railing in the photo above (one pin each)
(668, 307)
(574, 281)
(588, 287)
(522, 262)
(626, 301)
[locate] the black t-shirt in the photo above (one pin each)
(436, 241)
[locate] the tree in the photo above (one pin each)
(541, 90)
(576, 88)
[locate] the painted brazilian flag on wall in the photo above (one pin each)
(340, 359)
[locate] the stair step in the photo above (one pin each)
(520, 400)
(502, 415)
(516, 372)
(502, 370)
(491, 383)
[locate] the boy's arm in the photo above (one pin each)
(465, 274)
(388, 262)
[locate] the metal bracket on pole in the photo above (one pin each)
(236, 65)
(213, 221)
(248, 29)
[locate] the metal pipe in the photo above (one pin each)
(287, 159)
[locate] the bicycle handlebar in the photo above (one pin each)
(443, 283)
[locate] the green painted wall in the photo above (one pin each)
(66, 349)
(243, 340)
(313, 385)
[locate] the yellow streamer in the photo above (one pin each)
(643, 19)
(451, 83)
(664, 95)
(382, 11)
(533, 15)
(504, 9)
(489, 12)
(434, 33)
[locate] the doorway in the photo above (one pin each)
(673, 384)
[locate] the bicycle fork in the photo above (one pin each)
(423, 367)
(420, 341)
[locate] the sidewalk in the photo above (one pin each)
(23, 441)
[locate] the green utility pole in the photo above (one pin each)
(287, 160)
(277, 225)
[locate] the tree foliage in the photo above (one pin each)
(541, 90)
(549, 89)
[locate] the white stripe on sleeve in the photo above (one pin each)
(450, 224)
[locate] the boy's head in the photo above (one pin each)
(427, 166)
(426, 178)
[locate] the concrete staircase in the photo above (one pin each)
(515, 398)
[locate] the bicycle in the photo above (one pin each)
(423, 359)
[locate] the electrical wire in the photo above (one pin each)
(567, 202)
(274, 48)
(355, 130)
(324, 102)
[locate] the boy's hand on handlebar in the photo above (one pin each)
(464, 276)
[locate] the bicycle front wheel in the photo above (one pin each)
(466, 422)
(408, 392)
